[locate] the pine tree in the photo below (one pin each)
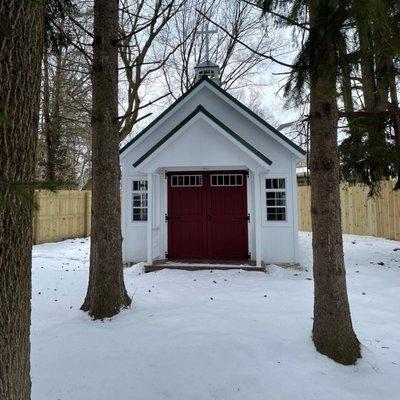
(106, 293)
(333, 332)
(317, 65)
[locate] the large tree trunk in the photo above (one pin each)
(106, 291)
(333, 333)
(20, 71)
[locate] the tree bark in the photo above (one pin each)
(50, 162)
(55, 154)
(373, 100)
(382, 70)
(394, 102)
(347, 93)
(333, 333)
(106, 293)
(20, 71)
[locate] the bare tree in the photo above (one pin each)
(21, 48)
(240, 66)
(160, 47)
(143, 55)
(64, 138)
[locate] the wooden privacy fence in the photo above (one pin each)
(361, 215)
(66, 213)
(61, 215)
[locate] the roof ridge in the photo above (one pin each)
(230, 97)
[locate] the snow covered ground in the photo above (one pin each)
(212, 335)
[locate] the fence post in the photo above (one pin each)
(88, 209)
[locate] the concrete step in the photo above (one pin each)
(201, 267)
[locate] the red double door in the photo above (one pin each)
(207, 215)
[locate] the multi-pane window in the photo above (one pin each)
(275, 189)
(226, 180)
(139, 200)
(186, 180)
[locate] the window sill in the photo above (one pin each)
(277, 224)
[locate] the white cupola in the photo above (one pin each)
(207, 68)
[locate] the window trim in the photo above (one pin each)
(177, 176)
(288, 190)
(235, 175)
(141, 192)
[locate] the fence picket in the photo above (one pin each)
(61, 215)
(361, 215)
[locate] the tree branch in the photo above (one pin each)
(268, 57)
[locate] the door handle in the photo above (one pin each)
(208, 217)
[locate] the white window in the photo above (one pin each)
(276, 199)
(139, 200)
(186, 180)
(226, 180)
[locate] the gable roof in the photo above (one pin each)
(165, 112)
(201, 109)
(224, 93)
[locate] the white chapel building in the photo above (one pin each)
(209, 180)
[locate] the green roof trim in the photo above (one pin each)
(257, 117)
(165, 112)
(230, 97)
(201, 109)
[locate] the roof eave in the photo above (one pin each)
(162, 115)
(201, 109)
(294, 147)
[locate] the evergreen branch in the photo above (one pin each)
(368, 113)
(24, 192)
(289, 20)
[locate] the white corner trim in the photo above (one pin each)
(295, 211)
(149, 218)
(258, 217)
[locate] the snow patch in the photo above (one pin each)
(202, 335)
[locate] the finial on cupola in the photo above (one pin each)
(206, 67)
